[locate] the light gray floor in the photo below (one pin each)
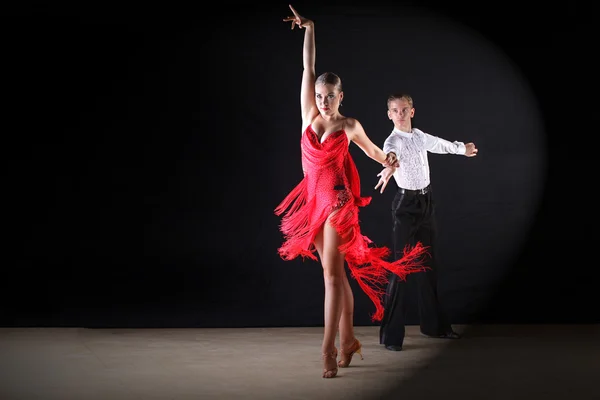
(490, 362)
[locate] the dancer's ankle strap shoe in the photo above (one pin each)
(347, 353)
(330, 369)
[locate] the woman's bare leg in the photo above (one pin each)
(346, 325)
(327, 243)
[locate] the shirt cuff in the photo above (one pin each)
(387, 150)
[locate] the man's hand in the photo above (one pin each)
(471, 150)
(385, 176)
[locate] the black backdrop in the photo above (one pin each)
(146, 147)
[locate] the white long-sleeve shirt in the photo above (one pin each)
(411, 150)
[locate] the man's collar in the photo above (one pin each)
(402, 133)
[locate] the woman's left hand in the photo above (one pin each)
(391, 161)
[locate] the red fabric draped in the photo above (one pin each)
(305, 209)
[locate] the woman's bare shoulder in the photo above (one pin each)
(351, 123)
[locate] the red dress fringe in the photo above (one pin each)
(331, 184)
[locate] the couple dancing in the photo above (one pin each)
(320, 215)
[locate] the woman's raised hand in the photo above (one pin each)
(297, 19)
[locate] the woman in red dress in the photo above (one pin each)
(321, 213)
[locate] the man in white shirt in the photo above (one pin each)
(413, 221)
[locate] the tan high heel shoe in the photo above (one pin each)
(328, 360)
(346, 354)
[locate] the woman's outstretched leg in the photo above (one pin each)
(348, 343)
(327, 243)
(346, 325)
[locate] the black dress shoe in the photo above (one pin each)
(393, 347)
(447, 335)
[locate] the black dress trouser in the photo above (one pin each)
(413, 218)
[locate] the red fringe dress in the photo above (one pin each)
(331, 183)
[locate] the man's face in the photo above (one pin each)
(400, 112)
